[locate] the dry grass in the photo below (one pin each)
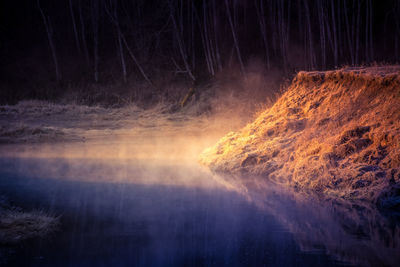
(17, 225)
(25, 133)
(335, 132)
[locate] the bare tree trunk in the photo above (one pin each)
(83, 35)
(122, 58)
(302, 32)
(322, 33)
(180, 42)
(261, 20)
(397, 33)
(203, 41)
(358, 31)
(234, 37)
(95, 25)
(135, 60)
(119, 39)
(335, 42)
(211, 38)
(309, 34)
(353, 30)
(218, 56)
(366, 48)
(396, 47)
(340, 30)
(181, 17)
(397, 22)
(273, 21)
(348, 31)
(193, 46)
(71, 9)
(281, 33)
(287, 35)
(123, 39)
(207, 40)
(371, 47)
(49, 30)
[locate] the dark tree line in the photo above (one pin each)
(142, 38)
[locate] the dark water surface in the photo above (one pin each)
(134, 224)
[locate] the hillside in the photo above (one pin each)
(336, 133)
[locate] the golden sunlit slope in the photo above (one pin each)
(334, 132)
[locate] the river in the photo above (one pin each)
(163, 209)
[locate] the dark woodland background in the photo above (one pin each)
(50, 49)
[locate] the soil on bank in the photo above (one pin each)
(334, 132)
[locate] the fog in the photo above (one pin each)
(138, 154)
(128, 188)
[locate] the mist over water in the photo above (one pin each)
(110, 111)
(139, 198)
(128, 223)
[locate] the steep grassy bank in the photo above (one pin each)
(334, 132)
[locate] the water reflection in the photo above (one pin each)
(350, 231)
(185, 217)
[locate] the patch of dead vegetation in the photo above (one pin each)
(335, 132)
(17, 225)
(25, 133)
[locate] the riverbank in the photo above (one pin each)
(336, 133)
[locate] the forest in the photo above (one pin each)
(134, 48)
(200, 133)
